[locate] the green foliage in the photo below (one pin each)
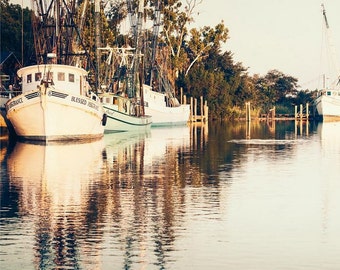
(284, 109)
(16, 31)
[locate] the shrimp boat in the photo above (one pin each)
(165, 108)
(159, 95)
(122, 100)
(327, 102)
(57, 102)
(122, 97)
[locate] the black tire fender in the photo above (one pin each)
(104, 119)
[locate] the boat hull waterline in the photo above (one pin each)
(118, 121)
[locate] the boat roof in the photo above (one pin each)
(51, 67)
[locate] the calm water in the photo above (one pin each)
(224, 197)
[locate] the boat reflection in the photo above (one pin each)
(330, 141)
(54, 185)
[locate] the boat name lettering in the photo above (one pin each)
(14, 103)
(79, 100)
(92, 105)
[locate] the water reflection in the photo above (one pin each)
(53, 186)
(168, 198)
(144, 194)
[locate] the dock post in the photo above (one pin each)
(295, 113)
(301, 112)
(206, 111)
(248, 118)
(195, 109)
(191, 109)
(307, 110)
(202, 111)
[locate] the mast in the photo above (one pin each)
(97, 38)
(156, 25)
(55, 31)
(136, 20)
(331, 45)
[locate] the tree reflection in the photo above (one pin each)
(124, 201)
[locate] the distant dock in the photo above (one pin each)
(301, 113)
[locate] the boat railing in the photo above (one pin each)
(9, 93)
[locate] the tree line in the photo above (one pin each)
(192, 58)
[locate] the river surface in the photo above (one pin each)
(228, 196)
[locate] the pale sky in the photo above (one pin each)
(285, 35)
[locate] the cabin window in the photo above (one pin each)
(50, 76)
(71, 77)
(29, 78)
(37, 76)
(61, 76)
(329, 93)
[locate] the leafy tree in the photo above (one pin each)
(16, 31)
(205, 41)
(176, 20)
(282, 84)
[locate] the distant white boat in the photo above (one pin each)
(159, 95)
(55, 104)
(327, 102)
(164, 109)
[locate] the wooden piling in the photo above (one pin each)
(248, 117)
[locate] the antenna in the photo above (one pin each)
(324, 15)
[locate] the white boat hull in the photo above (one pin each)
(328, 105)
(55, 115)
(118, 121)
(169, 116)
(163, 115)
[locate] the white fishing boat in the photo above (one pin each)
(327, 102)
(123, 114)
(122, 80)
(165, 109)
(159, 94)
(56, 104)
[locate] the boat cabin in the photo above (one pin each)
(329, 92)
(63, 77)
